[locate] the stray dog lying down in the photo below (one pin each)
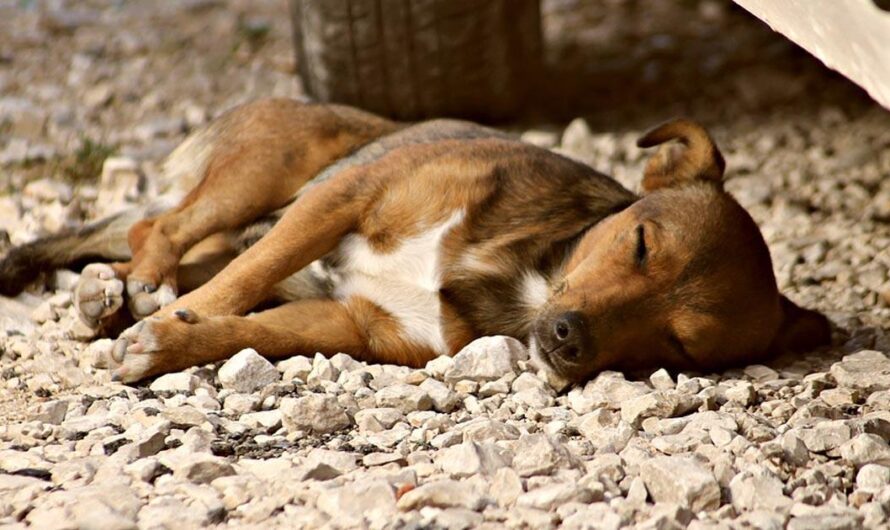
(396, 243)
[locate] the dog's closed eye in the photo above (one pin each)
(641, 252)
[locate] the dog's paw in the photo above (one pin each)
(98, 295)
(153, 346)
(146, 297)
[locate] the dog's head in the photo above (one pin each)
(681, 278)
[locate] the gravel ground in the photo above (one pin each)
(479, 440)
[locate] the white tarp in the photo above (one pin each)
(850, 36)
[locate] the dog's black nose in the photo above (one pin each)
(568, 329)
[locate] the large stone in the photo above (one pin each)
(656, 404)
(866, 449)
(404, 397)
(442, 494)
(826, 521)
(751, 491)
(379, 419)
(353, 504)
(318, 413)
(873, 478)
(551, 496)
(175, 382)
(826, 435)
(470, 458)
(485, 429)
(607, 389)
(506, 486)
(202, 468)
(866, 370)
(247, 371)
(682, 480)
(444, 400)
(486, 359)
(539, 454)
(121, 182)
(52, 412)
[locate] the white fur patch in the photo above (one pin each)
(405, 282)
(535, 290)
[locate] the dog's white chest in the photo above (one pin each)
(405, 282)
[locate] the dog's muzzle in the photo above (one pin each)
(564, 344)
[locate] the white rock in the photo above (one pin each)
(873, 478)
(52, 412)
(471, 458)
(297, 367)
(662, 380)
(439, 366)
(599, 516)
(539, 454)
(121, 182)
(682, 480)
(442, 494)
(322, 370)
(266, 419)
(247, 371)
(866, 449)
(201, 468)
(486, 359)
(317, 413)
(444, 400)
(758, 491)
(49, 190)
(866, 370)
(354, 504)
(406, 398)
(657, 404)
(485, 429)
(826, 435)
(551, 496)
(237, 403)
(378, 419)
(506, 486)
(175, 382)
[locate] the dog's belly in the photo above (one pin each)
(404, 282)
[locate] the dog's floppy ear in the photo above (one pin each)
(695, 158)
(801, 329)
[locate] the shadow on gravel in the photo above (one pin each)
(629, 64)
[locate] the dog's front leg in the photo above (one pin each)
(357, 327)
(311, 228)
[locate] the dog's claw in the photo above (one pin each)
(119, 350)
(186, 315)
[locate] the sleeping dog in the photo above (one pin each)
(322, 228)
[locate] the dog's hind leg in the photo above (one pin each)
(257, 158)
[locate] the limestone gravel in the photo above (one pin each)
(482, 439)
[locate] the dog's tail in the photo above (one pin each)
(105, 239)
(700, 159)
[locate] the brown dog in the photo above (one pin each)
(397, 243)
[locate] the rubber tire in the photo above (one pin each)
(413, 59)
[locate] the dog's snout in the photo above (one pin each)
(569, 334)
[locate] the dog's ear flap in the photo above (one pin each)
(695, 158)
(801, 329)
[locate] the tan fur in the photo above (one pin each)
(538, 247)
